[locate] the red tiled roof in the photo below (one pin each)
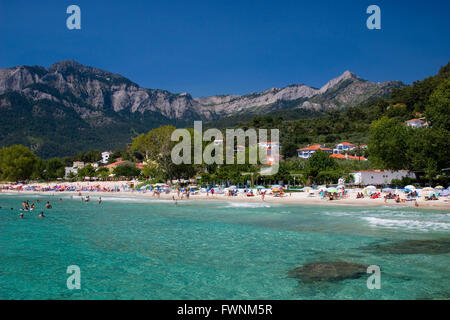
(348, 157)
(414, 120)
(140, 165)
(346, 143)
(337, 156)
(314, 147)
(115, 164)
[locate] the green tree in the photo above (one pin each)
(388, 143)
(54, 169)
(17, 162)
(102, 173)
(438, 109)
(321, 161)
(126, 171)
(157, 146)
(87, 171)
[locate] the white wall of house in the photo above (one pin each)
(69, 170)
(306, 154)
(379, 177)
(105, 157)
(343, 147)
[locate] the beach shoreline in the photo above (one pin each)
(288, 199)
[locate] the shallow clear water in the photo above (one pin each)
(143, 249)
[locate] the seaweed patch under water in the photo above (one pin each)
(328, 271)
(438, 246)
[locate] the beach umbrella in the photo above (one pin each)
(445, 193)
(370, 187)
(428, 189)
(388, 190)
(340, 186)
(439, 187)
(410, 188)
(332, 190)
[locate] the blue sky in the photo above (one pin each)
(222, 47)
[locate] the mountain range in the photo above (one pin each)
(71, 107)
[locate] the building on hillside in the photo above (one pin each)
(344, 146)
(347, 157)
(116, 164)
(363, 146)
(307, 152)
(269, 145)
(78, 165)
(140, 165)
(70, 170)
(416, 123)
(105, 157)
(379, 177)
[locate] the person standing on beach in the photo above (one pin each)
(263, 195)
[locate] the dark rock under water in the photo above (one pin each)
(438, 246)
(328, 271)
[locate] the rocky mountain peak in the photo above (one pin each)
(345, 76)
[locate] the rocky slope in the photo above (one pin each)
(70, 107)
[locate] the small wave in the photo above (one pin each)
(248, 205)
(131, 199)
(336, 213)
(408, 224)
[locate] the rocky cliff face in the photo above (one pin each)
(70, 102)
(101, 90)
(93, 92)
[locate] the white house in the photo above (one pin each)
(78, 165)
(307, 152)
(269, 145)
(416, 123)
(344, 146)
(379, 177)
(69, 170)
(105, 157)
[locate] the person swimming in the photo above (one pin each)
(41, 215)
(48, 205)
(21, 215)
(99, 200)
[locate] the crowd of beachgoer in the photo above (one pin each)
(28, 207)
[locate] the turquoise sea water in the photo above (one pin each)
(144, 249)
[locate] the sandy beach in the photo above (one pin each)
(295, 198)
